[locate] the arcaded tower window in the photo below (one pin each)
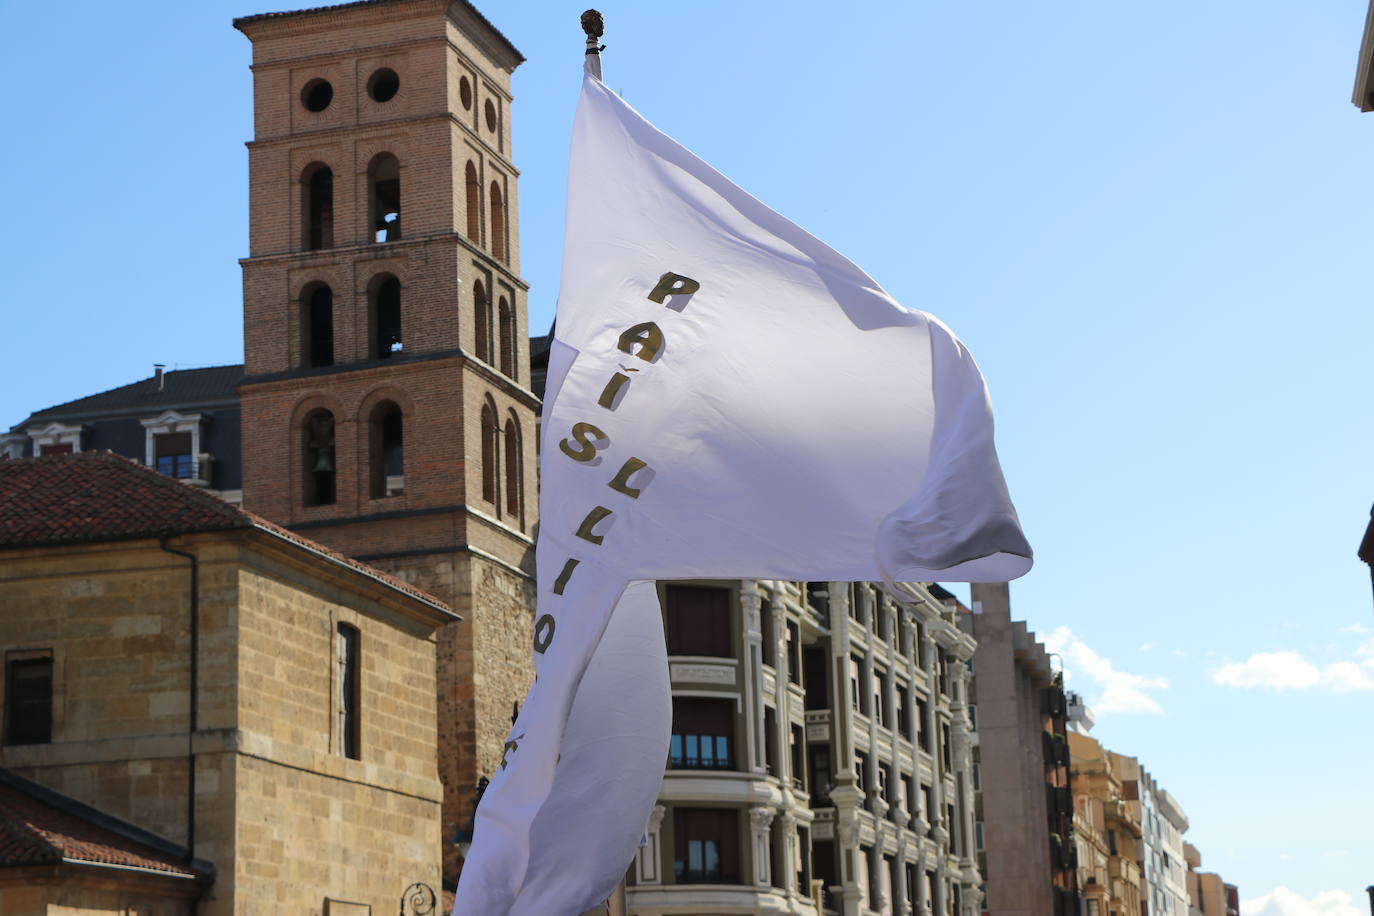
(317, 207)
(506, 328)
(498, 224)
(383, 85)
(386, 317)
(317, 325)
(481, 317)
(386, 455)
(514, 473)
(317, 94)
(384, 184)
(319, 470)
(474, 203)
(491, 451)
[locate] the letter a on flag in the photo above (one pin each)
(728, 397)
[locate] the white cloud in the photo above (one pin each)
(1291, 671)
(1357, 628)
(1119, 691)
(1146, 646)
(1283, 902)
(1279, 670)
(1287, 857)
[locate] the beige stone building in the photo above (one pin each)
(820, 759)
(259, 709)
(1108, 831)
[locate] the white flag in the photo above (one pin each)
(728, 397)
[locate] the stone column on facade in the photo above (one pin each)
(847, 832)
(941, 890)
(923, 904)
(841, 710)
(649, 857)
(760, 820)
(788, 855)
(875, 870)
(900, 892)
(782, 721)
(751, 663)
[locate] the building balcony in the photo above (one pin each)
(657, 900)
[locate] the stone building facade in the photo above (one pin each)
(258, 702)
(1025, 803)
(1108, 833)
(821, 755)
(386, 373)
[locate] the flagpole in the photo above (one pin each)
(594, 26)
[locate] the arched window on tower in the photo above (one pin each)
(474, 203)
(491, 452)
(385, 300)
(317, 325)
(498, 224)
(318, 451)
(384, 196)
(481, 317)
(515, 490)
(317, 206)
(506, 329)
(386, 453)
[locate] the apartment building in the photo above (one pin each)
(1107, 832)
(821, 754)
(1025, 805)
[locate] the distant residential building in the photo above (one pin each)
(1027, 857)
(821, 754)
(233, 701)
(1107, 831)
(1208, 894)
(184, 424)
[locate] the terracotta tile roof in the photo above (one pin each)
(214, 385)
(258, 17)
(100, 496)
(41, 827)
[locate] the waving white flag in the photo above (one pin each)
(728, 397)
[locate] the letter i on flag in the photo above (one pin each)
(728, 397)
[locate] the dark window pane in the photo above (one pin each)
(698, 620)
(28, 701)
(701, 734)
(706, 845)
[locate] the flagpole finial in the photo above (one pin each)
(594, 26)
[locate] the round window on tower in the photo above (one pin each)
(317, 95)
(490, 111)
(383, 84)
(465, 93)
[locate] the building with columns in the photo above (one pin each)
(821, 754)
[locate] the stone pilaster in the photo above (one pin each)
(760, 820)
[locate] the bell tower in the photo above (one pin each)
(386, 402)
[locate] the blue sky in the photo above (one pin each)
(1146, 220)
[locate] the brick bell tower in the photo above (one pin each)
(387, 409)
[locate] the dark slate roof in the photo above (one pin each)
(258, 17)
(182, 388)
(41, 827)
(539, 361)
(100, 496)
